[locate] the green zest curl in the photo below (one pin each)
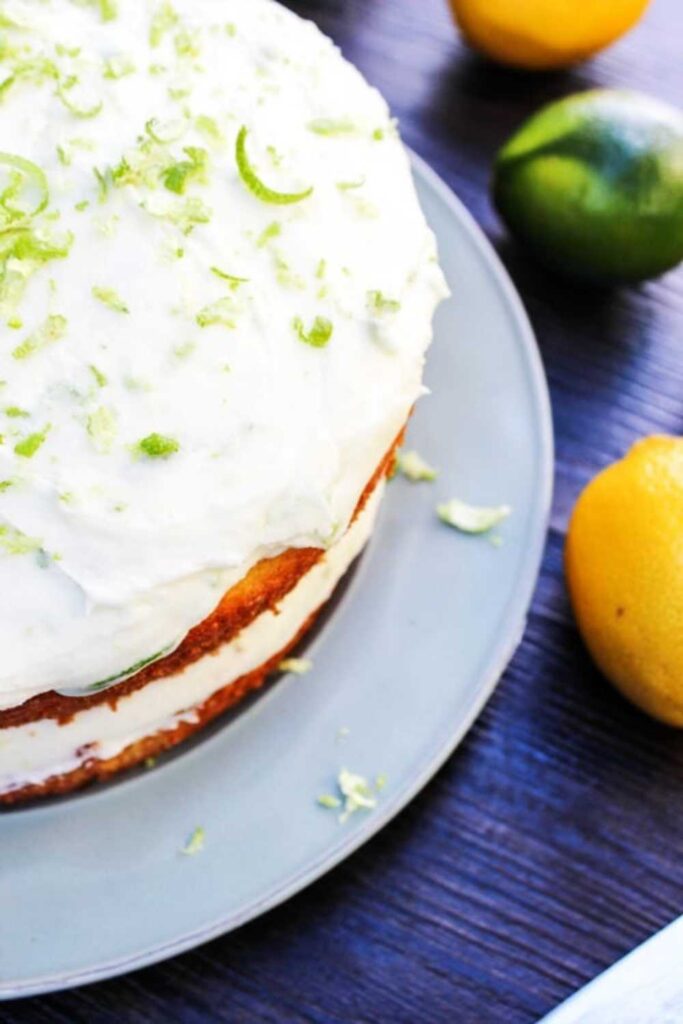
(319, 334)
(254, 183)
(63, 90)
(127, 673)
(24, 176)
(232, 280)
(25, 242)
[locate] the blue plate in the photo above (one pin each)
(95, 885)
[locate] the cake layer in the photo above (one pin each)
(216, 288)
(262, 589)
(166, 710)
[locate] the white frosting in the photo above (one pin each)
(276, 438)
(30, 754)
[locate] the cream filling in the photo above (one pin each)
(30, 754)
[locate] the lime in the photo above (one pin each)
(593, 184)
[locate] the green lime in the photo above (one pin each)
(593, 184)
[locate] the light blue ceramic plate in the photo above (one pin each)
(95, 885)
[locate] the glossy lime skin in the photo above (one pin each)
(593, 184)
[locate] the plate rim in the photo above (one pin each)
(507, 644)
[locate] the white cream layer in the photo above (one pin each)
(30, 754)
(107, 558)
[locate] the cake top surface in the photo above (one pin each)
(216, 290)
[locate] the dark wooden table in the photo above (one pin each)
(552, 842)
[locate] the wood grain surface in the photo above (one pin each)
(552, 842)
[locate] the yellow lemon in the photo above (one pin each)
(624, 567)
(543, 34)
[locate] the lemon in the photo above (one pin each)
(624, 568)
(593, 184)
(543, 34)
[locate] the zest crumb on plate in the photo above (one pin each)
(195, 843)
(471, 518)
(357, 794)
(296, 666)
(411, 465)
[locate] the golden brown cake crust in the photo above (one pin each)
(261, 590)
(95, 770)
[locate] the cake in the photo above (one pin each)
(216, 294)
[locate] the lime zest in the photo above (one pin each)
(108, 9)
(99, 376)
(67, 51)
(85, 113)
(208, 126)
(411, 465)
(30, 444)
(219, 313)
(471, 518)
(195, 843)
(163, 20)
(102, 428)
(380, 304)
(347, 186)
(157, 446)
(117, 67)
(177, 176)
(23, 174)
(186, 216)
(163, 132)
(296, 666)
(186, 44)
(111, 298)
(232, 280)
(15, 413)
(254, 183)
(357, 793)
(119, 677)
(24, 248)
(14, 542)
(273, 230)
(35, 69)
(319, 334)
(331, 127)
(330, 801)
(104, 182)
(52, 330)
